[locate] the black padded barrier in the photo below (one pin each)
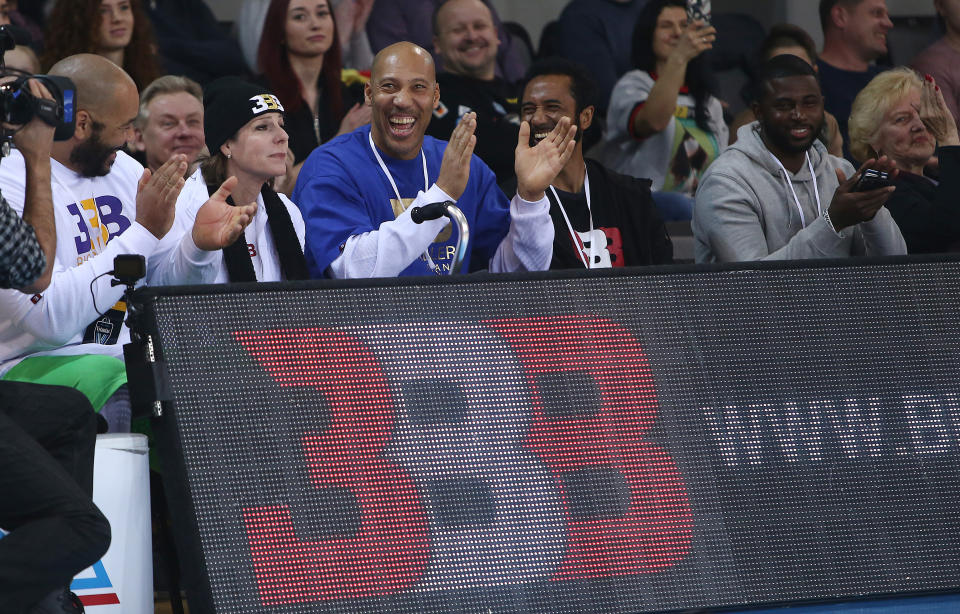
(631, 441)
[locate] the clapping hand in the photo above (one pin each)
(455, 167)
(538, 166)
(935, 114)
(358, 115)
(218, 223)
(157, 195)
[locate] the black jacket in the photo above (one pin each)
(498, 124)
(299, 124)
(192, 42)
(622, 209)
(928, 214)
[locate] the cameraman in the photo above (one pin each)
(47, 433)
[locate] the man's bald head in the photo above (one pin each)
(100, 82)
(402, 93)
(404, 54)
(107, 103)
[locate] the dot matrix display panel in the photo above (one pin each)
(608, 444)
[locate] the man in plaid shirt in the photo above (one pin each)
(27, 245)
(23, 259)
(47, 433)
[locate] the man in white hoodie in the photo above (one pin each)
(776, 194)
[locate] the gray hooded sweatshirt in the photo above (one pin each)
(745, 209)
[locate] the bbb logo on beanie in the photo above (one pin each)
(263, 103)
(229, 103)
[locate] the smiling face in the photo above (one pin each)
(403, 93)
(546, 100)
(308, 30)
(174, 125)
(866, 28)
(109, 129)
(116, 24)
(258, 151)
(902, 136)
(790, 112)
(466, 39)
(671, 24)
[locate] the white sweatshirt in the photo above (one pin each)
(391, 248)
(95, 220)
(177, 259)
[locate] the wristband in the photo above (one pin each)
(826, 216)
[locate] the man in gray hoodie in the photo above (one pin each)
(776, 194)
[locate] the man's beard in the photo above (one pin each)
(576, 137)
(91, 156)
(782, 141)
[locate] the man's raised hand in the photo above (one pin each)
(157, 195)
(538, 166)
(455, 168)
(218, 224)
(848, 207)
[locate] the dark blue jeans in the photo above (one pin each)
(673, 206)
(47, 440)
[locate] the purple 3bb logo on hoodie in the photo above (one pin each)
(98, 220)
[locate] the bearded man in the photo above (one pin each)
(776, 194)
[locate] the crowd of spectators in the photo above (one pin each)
(664, 123)
(297, 144)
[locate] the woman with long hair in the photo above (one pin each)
(299, 56)
(119, 30)
(663, 121)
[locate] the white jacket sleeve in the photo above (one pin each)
(391, 248)
(68, 306)
(177, 259)
(528, 245)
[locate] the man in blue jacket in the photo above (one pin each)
(356, 192)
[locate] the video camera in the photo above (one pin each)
(18, 106)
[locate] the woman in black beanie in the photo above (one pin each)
(243, 128)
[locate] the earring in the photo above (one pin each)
(229, 156)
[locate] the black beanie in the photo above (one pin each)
(228, 104)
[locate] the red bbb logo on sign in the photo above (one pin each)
(654, 530)
(482, 453)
